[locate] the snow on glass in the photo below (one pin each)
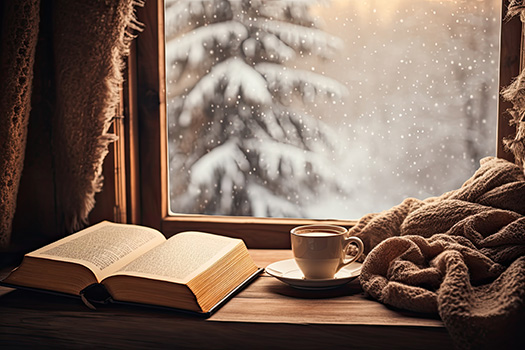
(326, 109)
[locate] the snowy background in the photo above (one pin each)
(326, 109)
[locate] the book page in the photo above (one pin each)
(181, 257)
(104, 248)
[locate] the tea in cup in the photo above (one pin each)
(322, 250)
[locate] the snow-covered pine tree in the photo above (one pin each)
(240, 141)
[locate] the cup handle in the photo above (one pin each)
(360, 247)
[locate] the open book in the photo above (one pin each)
(192, 271)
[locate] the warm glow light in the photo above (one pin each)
(382, 10)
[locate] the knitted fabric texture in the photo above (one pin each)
(90, 40)
(89, 52)
(461, 255)
(18, 44)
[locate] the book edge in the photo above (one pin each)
(89, 301)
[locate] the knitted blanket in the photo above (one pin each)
(461, 255)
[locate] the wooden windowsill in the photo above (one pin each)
(268, 313)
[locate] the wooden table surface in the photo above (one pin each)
(266, 314)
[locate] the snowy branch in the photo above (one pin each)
(271, 125)
(282, 161)
(233, 78)
(313, 133)
(268, 47)
(283, 81)
(181, 14)
(226, 160)
(196, 46)
(295, 128)
(295, 11)
(266, 204)
(305, 39)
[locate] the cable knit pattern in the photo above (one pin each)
(461, 255)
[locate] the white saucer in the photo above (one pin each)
(288, 272)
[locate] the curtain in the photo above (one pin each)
(515, 93)
(61, 71)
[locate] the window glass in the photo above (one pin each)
(326, 109)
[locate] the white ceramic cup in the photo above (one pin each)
(322, 250)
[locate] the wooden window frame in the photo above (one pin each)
(141, 179)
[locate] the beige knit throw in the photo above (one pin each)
(461, 255)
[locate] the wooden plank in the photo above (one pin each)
(49, 321)
(341, 310)
(345, 305)
(264, 257)
(146, 330)
(131, 124)
(267, 314)
(148, 114)
(256, 232)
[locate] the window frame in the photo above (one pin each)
(145, 175)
